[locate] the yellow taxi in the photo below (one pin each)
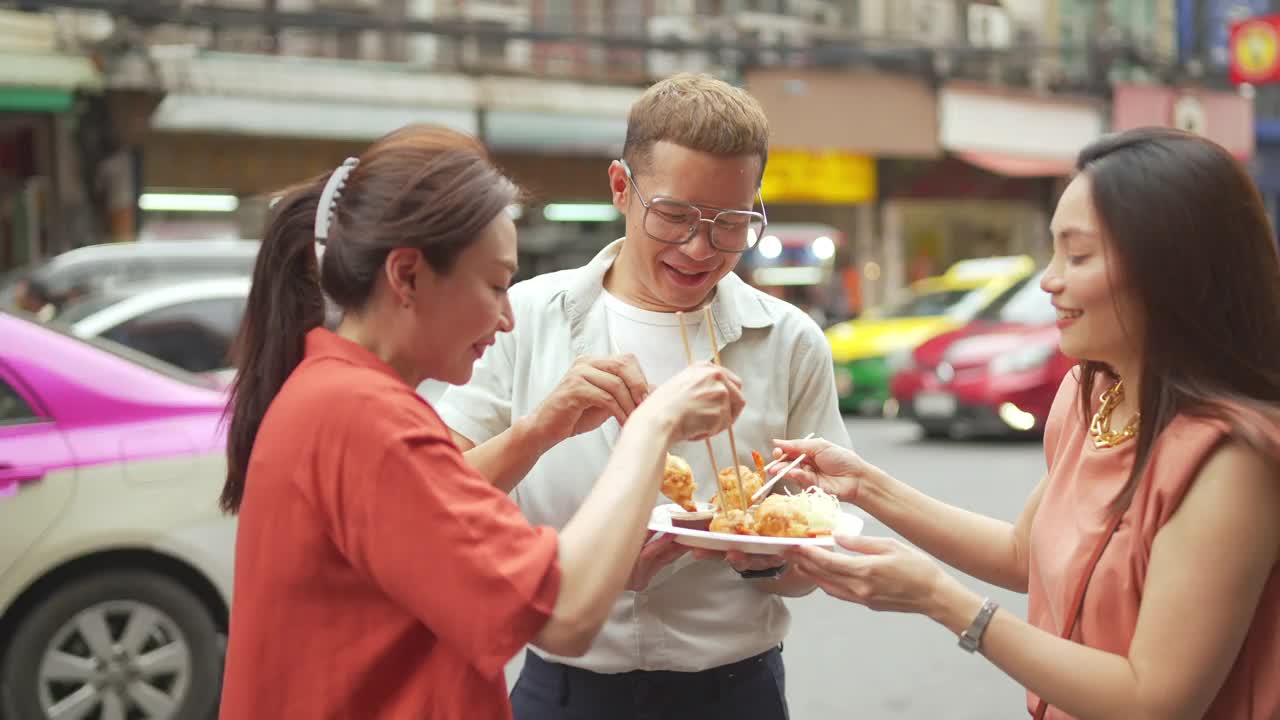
(870, 349)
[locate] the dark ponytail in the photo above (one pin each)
(285, 303)
(428, 188)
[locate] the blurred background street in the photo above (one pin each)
(918, 148)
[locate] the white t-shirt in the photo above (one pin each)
(654, 338)
(695, 614)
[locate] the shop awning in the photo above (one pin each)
(43, 82)
(1019, 165)
(297, 118)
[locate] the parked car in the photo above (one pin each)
(115, 561)
(92, 268)
(188, 323)
(997, 375)
(868, 350)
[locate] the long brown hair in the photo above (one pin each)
(422, 187)
(1189, 230)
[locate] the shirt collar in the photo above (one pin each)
(735, 305)
(323, 343)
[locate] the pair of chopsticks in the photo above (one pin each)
(764, 489)
(710, 320)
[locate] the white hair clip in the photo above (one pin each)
(329, 197)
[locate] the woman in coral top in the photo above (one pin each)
(377, 574)
(1149, 551)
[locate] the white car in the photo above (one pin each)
(116, 564)
(189, 323)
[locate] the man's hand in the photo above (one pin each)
(789, 584)
(653, 557)
(592, 391)
(739, 560)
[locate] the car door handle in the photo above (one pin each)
(12, 474)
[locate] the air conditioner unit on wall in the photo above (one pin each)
(683, 29)
(990, 27)
(490, 49)
(771, 33)
(929, 22)
(818, 12)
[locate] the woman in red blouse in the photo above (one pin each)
(377, 574)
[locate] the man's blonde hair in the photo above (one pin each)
(698, 112)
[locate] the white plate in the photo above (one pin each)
(934, 405)
(660, 521)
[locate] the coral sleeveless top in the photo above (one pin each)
(1071, 521)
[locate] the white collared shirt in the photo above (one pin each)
(694, 615)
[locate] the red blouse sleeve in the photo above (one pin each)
(446, 544)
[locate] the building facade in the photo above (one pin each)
(920, 131)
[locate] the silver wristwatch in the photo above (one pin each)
(971, 638)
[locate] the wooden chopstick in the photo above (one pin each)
(710, 320)
(781, 460)
(688, 353)
(765, 488)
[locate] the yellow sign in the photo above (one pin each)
(820, 178)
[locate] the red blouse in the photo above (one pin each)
(377, 574)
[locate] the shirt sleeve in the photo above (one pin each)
(481, 409)
(448, 547)
(814, 406)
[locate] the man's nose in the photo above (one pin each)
(699, 246)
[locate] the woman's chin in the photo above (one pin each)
(461, 374)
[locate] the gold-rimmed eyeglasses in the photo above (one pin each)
(675, 222)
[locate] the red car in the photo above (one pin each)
(996, 376)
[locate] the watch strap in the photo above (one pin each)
(971, 638)
(766, 574)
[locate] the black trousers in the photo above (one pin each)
(751, 689)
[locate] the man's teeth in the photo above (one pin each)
(1069, 314)
(686, 274)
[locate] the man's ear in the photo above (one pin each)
(619, 189)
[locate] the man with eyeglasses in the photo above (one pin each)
(696, 635)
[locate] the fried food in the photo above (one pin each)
(812, 513)
(734, 522)
(728, 480)
(778, 517)
(678, 484)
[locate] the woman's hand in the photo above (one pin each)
(887, 576)
(835, 469)
(701, 401)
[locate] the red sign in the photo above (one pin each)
(1254, 45)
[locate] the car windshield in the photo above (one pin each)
(928, 304)
(1025, 304)
(133, 356)
(81, 309)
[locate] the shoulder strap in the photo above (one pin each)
(1077, 600)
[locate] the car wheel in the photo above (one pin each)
(114, 646)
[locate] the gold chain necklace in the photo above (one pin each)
(1100, 428)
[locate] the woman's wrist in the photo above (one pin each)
(650, 420)
(872, 491)
(951, 604)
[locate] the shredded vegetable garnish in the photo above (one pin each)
(821, 509)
